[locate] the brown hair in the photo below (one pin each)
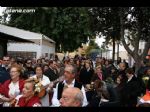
(33, 84)
(130, 71)
(18, 67)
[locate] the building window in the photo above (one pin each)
(22, 54)
(46, 54)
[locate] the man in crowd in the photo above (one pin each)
(71, 97)
(4, 69)
(69, 81)
(130, 91)
(52, 72)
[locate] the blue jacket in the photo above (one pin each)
(4, 75)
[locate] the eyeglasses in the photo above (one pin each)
(6, 60)
(67, 72)
(28, 62)
(13, 71)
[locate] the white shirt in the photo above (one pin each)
(55, 101)
(44, 81)
(14, 88)
(129, 78)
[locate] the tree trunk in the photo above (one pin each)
(117, 50)
(135, 55)
(137, 60)
(113, 53)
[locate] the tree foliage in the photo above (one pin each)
(92, 46)
(107, 23)
(68, 26)
(116, 21)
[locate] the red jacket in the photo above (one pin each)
(33, 100)
(4, 88)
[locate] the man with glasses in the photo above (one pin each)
(69, 81)
(29, 71)
(4, 69)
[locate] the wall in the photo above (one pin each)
(28, 47)
(47, 47)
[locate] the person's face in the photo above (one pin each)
(82, 63)
(29, 63)
(112, 70)
(118, 80)
(67, 99)
(148, 72)
(6, 61)
(46, 68)
(12, 61)
(68, 74)
(43, 60)
(106, 63)
(39, 61)
(78, 62)
(122, 66)
(87, 65)
(14, 73)
(98, 70)
(39, 71)
(27, 90)
(54, 65)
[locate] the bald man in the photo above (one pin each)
(71, 97)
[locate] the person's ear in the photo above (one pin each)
(77, 103)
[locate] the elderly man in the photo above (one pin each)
(69, 81)
(71, 97)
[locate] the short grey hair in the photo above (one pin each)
(73, 69)
(79, 97)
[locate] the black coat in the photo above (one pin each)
(4, 74)
(51, 74)
(85, 76)
(130, 92)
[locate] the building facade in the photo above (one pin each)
(39, 46)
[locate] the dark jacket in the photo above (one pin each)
(61, 86)
(4, 74)
(85, 76)
(130, 92)
(51, 74)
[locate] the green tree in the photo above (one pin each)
(92, 47)
(68, 26)
(106, 23)
(139, 26)
(114, 22)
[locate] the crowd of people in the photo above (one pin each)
(73, 82)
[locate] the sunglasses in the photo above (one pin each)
(5, 60)
(28, 62)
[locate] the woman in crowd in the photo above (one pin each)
(44, 81)
(29, 96)
(45, 67)
(13, 87)
(98, 73)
